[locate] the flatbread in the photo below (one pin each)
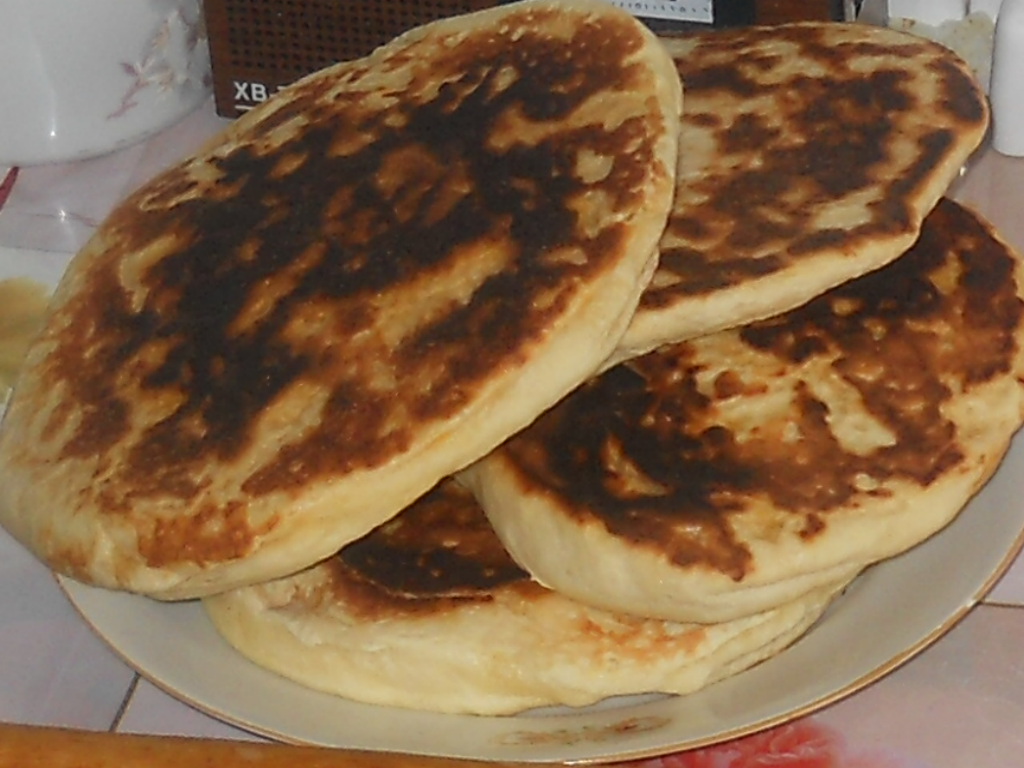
(429, 612)
(360, 287)
(811, 154)
(721, 476)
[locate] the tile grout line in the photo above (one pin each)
(125, 702)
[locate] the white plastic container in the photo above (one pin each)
(932, 12)
(989, 7)
(1006, 90)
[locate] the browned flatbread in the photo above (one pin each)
(429, 612)
(717, 477)
(363, 285)
(811, 153)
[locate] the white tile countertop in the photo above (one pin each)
(960, 702)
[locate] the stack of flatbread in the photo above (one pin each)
(491, 372)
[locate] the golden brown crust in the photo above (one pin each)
(811, 153)
(354, 274)
(430, 612)
(283, 257)
(838, 433)
(436, 555)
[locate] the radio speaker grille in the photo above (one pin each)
(256, 46)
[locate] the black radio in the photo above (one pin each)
(256, 46)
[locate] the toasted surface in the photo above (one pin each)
(430, 612)
(362, 285)
(811, 153)
(716, 477)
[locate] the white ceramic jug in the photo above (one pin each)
(83, 77)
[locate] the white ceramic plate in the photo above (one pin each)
(890, 613)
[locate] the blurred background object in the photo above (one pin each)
(257, 46)
(965, 26)
(85, 77)
(1007, 88)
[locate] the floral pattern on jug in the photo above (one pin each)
(88, 77)
(174, 56)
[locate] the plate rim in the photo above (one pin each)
(1001, 559)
